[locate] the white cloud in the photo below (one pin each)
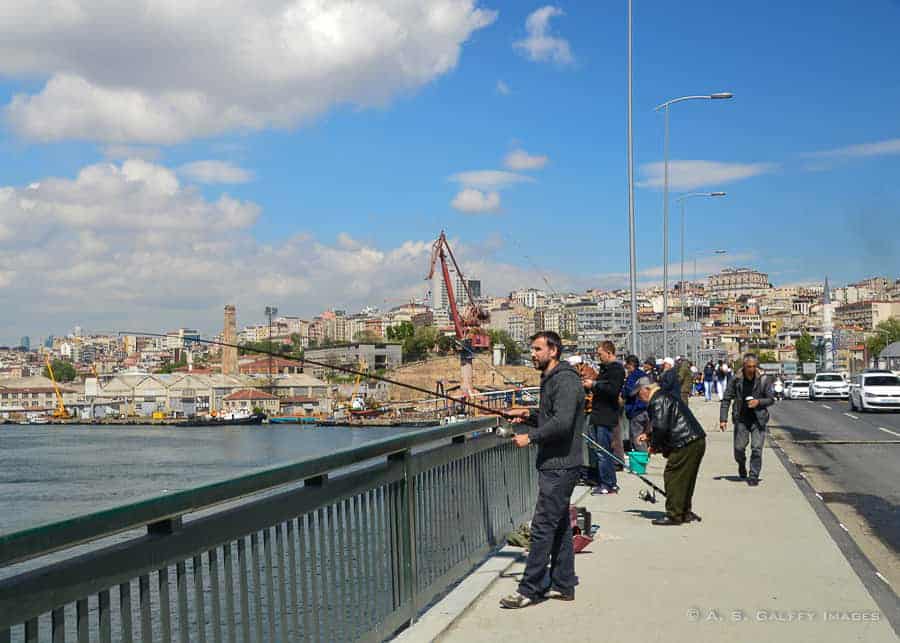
(490, 179)
(502, 88)
(215, 172)
(473, 201)
(521, 160)
(539, 45)
(690, 175)
(878, 148)
(123, 152)
(185, 70)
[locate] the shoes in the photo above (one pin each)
(753, 482)
(666, 521)
(691, 517)
(557, 595)
(742, 471)
(603, 490)
(515, 601)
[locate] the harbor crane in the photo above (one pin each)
(60, 413)
(467, 324)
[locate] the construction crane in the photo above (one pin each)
(60, 413)
(467, 324)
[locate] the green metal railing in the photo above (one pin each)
(318, 550)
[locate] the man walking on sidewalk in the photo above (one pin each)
(709, 378)
(557, 434)
(752, 394)
(605, 413)
(676, 433)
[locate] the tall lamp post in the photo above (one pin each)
(696, 312)
(681, 200)
(665, 108)
(271, 311)
(632, 253)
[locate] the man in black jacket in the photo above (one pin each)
(605, 413)
(677, 434)
(557, 433)
(752, 395)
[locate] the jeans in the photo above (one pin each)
(606, 469)
(720, 388)
(551, 536)
(756, 436)
(707, 389)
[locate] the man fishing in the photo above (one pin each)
(557, 433)
(677, 434)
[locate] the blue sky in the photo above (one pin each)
(814, 121)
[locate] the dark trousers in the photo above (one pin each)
(756, 436)
(680, 476)
(551, 536)
(604, 466)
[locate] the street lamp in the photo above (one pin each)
(665, 107)
(271, 311)
(681, 200)
(632, 253)
(696, 312)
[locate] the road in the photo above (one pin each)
(852, 459)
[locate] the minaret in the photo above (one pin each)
(828, 327)
(229, 336)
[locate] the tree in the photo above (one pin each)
(400, 332)
(806, 352)
(63, 371)
(767, 357)
(171, 367)
(513, 352)
(886, 332)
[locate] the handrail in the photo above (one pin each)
(50, 537)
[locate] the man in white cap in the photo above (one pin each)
(668, 381)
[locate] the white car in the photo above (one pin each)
(829, 386)
(799, 390)
(875, 390)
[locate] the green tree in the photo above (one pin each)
(513, 352)
(886, 332)
(171, 367)
(401, 332)
(63, 371)
(806, 352)
(767, 357)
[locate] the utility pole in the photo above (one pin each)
(271, 311)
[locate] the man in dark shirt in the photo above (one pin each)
(605, 413)
(752, 394)
(557, 428)
(669, 381)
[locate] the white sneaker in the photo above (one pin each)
(515, 601)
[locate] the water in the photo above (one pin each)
(52, 472)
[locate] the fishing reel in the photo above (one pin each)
(647, 496)
(505, 431)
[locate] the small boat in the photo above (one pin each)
(233, 418)
(292, 419)
(38, 419)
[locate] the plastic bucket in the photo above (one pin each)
(637, 461)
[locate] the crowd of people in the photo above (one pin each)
(653, 395)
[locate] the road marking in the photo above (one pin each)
(850, 415)
(882, 578)
(843, 527)
(826, 406)
(881, 428)
(819, 496)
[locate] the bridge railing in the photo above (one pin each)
(347, 546)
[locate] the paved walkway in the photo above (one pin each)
(760, 567)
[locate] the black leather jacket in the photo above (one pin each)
(673, 424)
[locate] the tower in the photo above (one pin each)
(229, 336)
(828, 327)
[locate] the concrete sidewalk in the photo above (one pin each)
(761, 566)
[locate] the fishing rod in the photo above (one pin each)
(343, 369)
(593, 443)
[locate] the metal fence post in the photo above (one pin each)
(405, 522)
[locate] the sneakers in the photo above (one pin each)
(603, 490)
(557, 595)
(515, 601)
(742, 471)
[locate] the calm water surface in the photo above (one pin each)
(48, 472)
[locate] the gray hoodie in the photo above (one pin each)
(560, 419)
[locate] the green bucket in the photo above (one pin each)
(637, 461)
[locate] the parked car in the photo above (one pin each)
(829, 386)
(875, 390)
(799, 390)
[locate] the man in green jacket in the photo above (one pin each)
(685, 379)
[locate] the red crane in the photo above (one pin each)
(468, 324)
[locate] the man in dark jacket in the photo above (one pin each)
(677, 434)
(557, 433)
(668, 380)
(685, 378)
(709, 379)
(752, 395)
(635, 408)
(605, 413)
